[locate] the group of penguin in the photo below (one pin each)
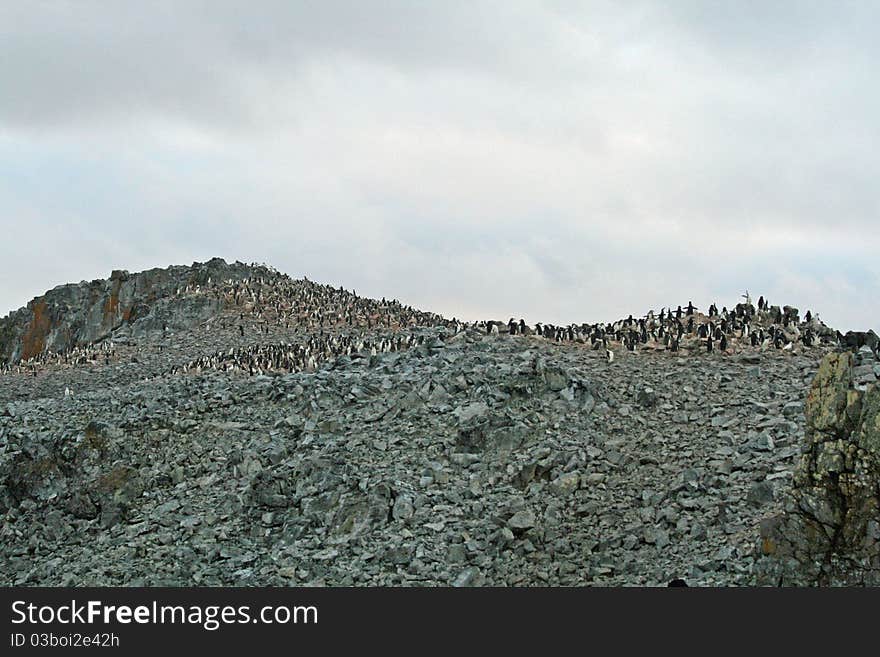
(313, 316)
(264, 301)
(305, 356)
(762, 328)
(96, 352)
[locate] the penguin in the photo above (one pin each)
(709, 344)
(609, 355)
(723, 344)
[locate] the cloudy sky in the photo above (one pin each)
(557, 161)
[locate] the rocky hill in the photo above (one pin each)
(230, 425)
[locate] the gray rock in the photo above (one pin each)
(761, 493)
(468, 577)
(793, 409)
(647, 397)
(522, 520)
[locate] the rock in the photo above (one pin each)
(698, 532)
(826, 534)
(793, 409)
(403, 508)
(565, 484)
(761, 493)
(456, 554)
(864, 374)
(522, 520)
(556, 380)
(647, 397)
(80, 505)
(468, 577)
(472, 413)
(762, 442)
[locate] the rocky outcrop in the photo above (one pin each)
(830, 530)
(83, 313)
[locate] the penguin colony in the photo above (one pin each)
(268, 304)
(724, 331)
(285, 357)
(91, 354)
(685, 328)
(305, 324)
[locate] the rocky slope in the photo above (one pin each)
(449, 455)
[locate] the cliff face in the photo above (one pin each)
(82, 313)
(830, 533)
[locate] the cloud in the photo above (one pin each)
(557, 161)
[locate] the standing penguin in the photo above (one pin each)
(709, 344)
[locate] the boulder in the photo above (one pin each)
(828, 532)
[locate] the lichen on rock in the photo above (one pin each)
(830, 530)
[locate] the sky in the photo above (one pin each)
(559, 161)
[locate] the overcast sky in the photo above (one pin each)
(557, 161)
